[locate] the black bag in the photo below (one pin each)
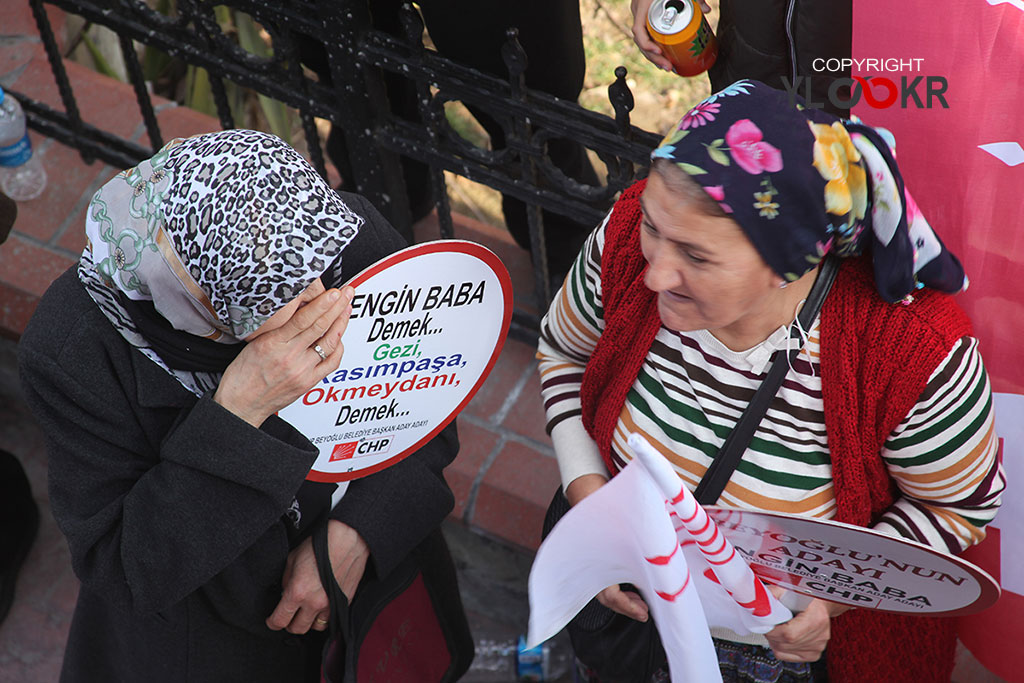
(617, 648)
(406, 627)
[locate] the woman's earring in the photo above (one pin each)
(783, 284)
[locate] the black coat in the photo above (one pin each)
(172, 505)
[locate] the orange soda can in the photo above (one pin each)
(682, 32)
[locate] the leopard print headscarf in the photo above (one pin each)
(219, 231)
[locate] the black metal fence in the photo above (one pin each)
(351, 93)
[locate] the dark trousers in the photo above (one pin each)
(472, 32)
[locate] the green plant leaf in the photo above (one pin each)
(278, 115)
(155, 62)
(249, 36)
(692, 170)
(102, 66)
(198, 94)
(222, 13)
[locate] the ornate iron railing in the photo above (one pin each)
(356, 102)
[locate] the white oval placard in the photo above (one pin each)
(427, 325)
(855, 566)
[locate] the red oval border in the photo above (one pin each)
(499, 269)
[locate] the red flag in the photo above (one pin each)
(958, 68)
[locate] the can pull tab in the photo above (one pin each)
(674, 7)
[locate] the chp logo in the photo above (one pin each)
(879, 92)
(355, 449)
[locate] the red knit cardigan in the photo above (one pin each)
(876, 359)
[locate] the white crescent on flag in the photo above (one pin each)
(1019, 4)
(1010, 153)
(645, 528)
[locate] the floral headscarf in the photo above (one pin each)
(801, 184)
(216, 232)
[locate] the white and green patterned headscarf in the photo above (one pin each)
(219, 231)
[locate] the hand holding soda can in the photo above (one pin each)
(683, 34)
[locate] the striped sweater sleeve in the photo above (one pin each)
(568, 335)
(944, 457)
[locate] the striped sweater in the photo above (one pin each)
(692, 389)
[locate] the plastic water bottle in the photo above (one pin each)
(494, 662)
(505, 661)
(22, 176)
(548, 661)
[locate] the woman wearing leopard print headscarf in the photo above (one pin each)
(204, 303)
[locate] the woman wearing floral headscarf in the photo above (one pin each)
(204, 302)
(669, 319)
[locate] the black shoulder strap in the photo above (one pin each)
(338, 621)
(728, 457)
